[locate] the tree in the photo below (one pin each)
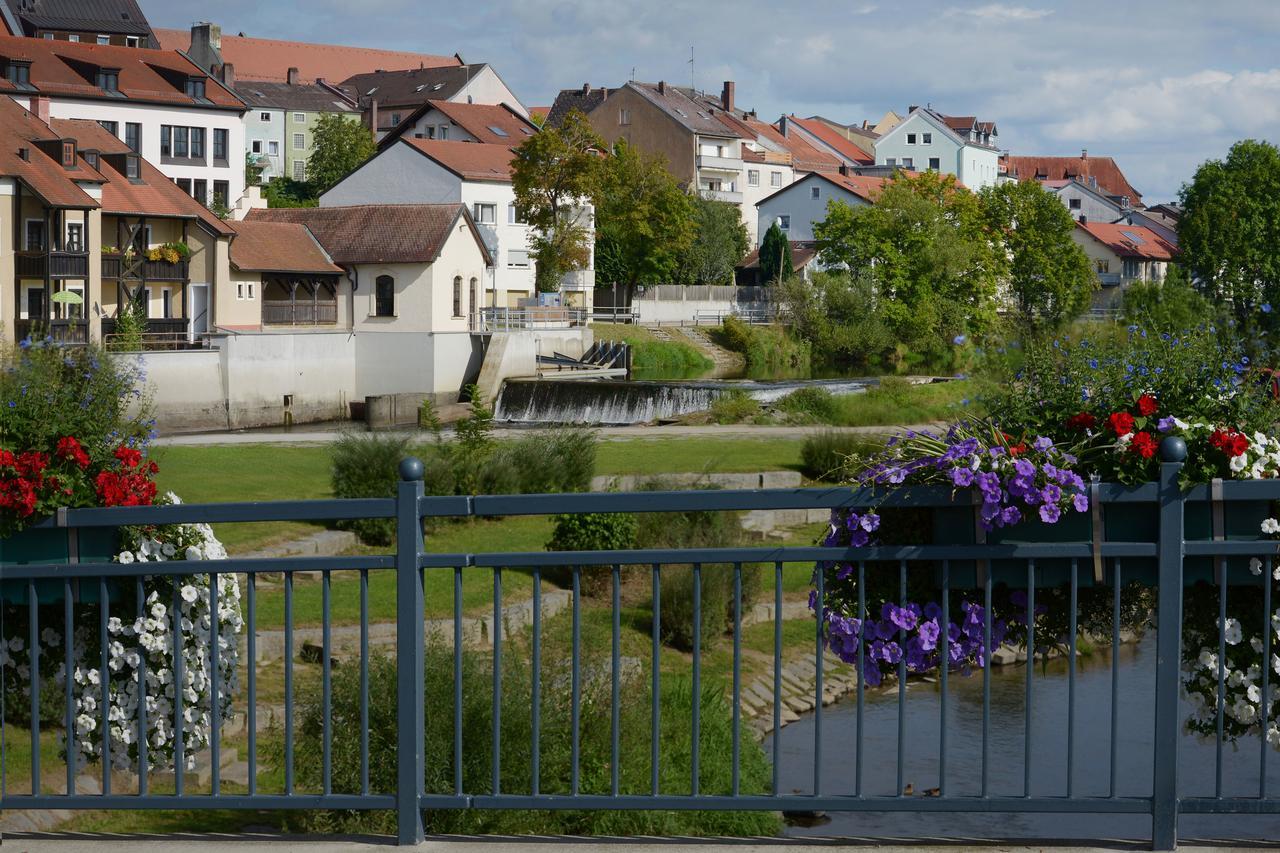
(775, 255)
(926, 250)
(1049, 279)
(339, 146)
(555, 172)
(1171, 306)
(644, 221)
(1229, 232)
(719, 245)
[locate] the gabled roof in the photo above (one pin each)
(804, 156)
(152, 194)
(410, 87)
(263, 246)
(123, 17)
(834, 142)
(39, 172)
(496, 124)
(378, 233)
(271, 59)
(585, 99)
(309, 97)
(864, 187)
(1130, 241)
(472, 161)
(681, 106)
(801, 256)
(69, 69)
(1111, 180)
(1057, 186)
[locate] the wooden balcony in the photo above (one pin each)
(74, 332)
(282, 312)
(59, 265)
(113, 268)
(159, 333)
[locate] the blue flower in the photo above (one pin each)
(1093, 364)
(958, 340)
(1266, 308)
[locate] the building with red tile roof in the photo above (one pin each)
(1122, 254)
(818, 134)
(119, 22)
(496, 124)
(798, 206)
(1100, 173)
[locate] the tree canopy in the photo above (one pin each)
(339, 146)
(775, 255)
(719, 244)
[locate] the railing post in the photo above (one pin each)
(1164, 807)
(411, 770)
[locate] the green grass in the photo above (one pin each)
(672, 455)
(895, 402)
(652, 358)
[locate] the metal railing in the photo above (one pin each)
(512, 319)
(1097, 562)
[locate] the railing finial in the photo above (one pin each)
(411, 468)
(1173, 449)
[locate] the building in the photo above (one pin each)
(1100, 173)
(1122, 255)
(281, 267)
(954, 145)
(281, 120)
(117, 22)
(1158, 222)
(495, 124)
(388, 98)
(157, 102)
(797, 207)
(410, 170)
(1085, 202)
(860, 135)
(821, 135)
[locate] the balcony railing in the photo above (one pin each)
(282, 312)
(1109, 279)
(723, 195)
(509, 319)
(59, 264)
(719, 164)
(113, 267)
(62, 331)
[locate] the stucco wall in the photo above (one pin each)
(650, 130)
(797, 201)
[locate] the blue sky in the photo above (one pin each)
(1160, 86)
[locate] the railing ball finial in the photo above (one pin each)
(411, 468)
(1173, 449)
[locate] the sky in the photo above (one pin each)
(1159, 86)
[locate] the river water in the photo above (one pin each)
(1049, 761)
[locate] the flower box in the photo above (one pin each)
(54, 547)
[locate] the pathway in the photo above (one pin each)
(727, 363)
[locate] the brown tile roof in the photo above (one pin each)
(1130, 241)
(680, 104)
(153, 194)
(479, 120)
(585, 99)
(805, 157)
(309, 97)
(69, 69)
(271, 59)
(1111, 181)
(801, 255)
(377, 233)
(409, 87)
(833, 140)
(98, 16)
(40, 172)
(262, 246)
(474, 161)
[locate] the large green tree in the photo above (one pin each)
(927, 251)
(339, 146)
(1049, 279)
(775, 255)
(1229, 232)
(719, 245)
(554, 174)
(644, 220)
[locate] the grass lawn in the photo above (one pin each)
(897, 403)
(670, 455)
(654, 358)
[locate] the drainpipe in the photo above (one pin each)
(353, 276)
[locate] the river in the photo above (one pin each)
(1049, 764)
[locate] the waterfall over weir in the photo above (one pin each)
(607, 402)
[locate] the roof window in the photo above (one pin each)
(195, 88)
(68, 153)
(108, 80)
(497, 131)
(18, 73)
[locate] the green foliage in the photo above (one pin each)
(836, 313)
(555, 741)
(596, 531)
(734, 406)
(339, 146)
(429, 418)
(546, 462)
(1048, 276)
(553, 174)
(810, 404)
(652, 358)
(366, 465)
(765, 348)
(252, 171)
(131, 324)
(1229, 232)
(286, 192)
(775, 256)
(1168, 306)
(827, 455)
(719, 245)
(644, 220)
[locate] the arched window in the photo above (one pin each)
(384, 296)
(457, 296)
(475, 295)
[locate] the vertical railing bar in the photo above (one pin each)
(696, 718)
(68, 682)
(987, 652)
(364, 682)
(944, 664)
(411, 688)
(215, 697)
(655, 698)
(1169, 618)
(179, 683)
(4, 720)
(252, 719)
(1222, 677)
(326, 686)
(496, 756)
(777, 676)
(288, 682)
(817, 683)
(575, 702)
(33, 644)
(863, 661)
(1071, 680)
(144, 764)
(902, 682)
(457, 680)
(615, 697)
(104, 681)
(1115, 673)
(737, 675)
(535, 772)
(1031, 666)
(1267, 630)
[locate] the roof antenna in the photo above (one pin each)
(633, 74)
(693, 80)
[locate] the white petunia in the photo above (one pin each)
(1232, 632)
(1270, 526)
(1255, 565)
(125, 557)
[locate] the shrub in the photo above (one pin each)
(366, 465)
(557, 460)
(734, 406)
(767, 349)
(602, 531)
(810, 405)
(428, 417)
(1169, 306)
(826, 455)
(131, 323)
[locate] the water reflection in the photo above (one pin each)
(1049, 724)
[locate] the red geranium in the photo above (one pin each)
(1229, 441)
(1121, 423)
(69, 448)
(1081, 422)
(128, 456)
(1143, 445)
(1147, 405)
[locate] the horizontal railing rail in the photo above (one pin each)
(310, 772)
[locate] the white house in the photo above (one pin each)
(390, 98)
(953, 145)
(497, 124)
(797, 207)
(157, 102)
(1085, 202)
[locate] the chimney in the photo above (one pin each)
(782, 125)
(40, 107)
(292, 76)
(1084, 219)
(662, 87)
(604, 93)
(844, 169)
(206, 45)
(586, 88)
(726, 96)
(373, 116)
(229, 75)
(1084, 153)
(24, 154)
(913, 108)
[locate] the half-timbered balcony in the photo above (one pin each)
(59, 265)
(62, 331)
(113, 268)
(299, 302)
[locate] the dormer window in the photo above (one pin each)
(132, 168)
(18, 73)
(109, 79)
(195, 88)
(91, 157)
(68, 154)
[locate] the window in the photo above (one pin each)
(19, 73)
(132, 167)
(91, 157)
(497, 131)
(935, 164)
(891, 161)
(195, 88)
(1073, 204)
(785, 223)
(104, 39)
(200, 191)
(384, 296)
(166, 140)
(112, 127)
(68, 154)
(908, 163)
(926, 138)
(815, 192)
(299, 142)
(264, 116)
(35, 235)
(166, 303)
(518, 259)
(1102, 266)
(256, 146)
(444, 131)
(475, 293)
(220, 144)
(1130, 268)
(181, 142)
(75, 236)
(299, 170)
(184, 184)
(515, 216)
(130, 41)
(395, 119)
(197, 143)
(240, 290)
(299, 118)
(273, 148)
(753, 177)
(775, 179)
(221, 194)
(430, 132)
(457, 296)
(109, 79)
(133, 136)
(486, 213)
(73, 37)
(624, 116)
(911, 139)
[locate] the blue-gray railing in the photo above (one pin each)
(410, 507)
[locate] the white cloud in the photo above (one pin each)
(999, 12)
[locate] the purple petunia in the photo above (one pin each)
(1050, 513)
(929, 632)
(1080, 502)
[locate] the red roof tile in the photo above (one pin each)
(262, 246)
(376, 233)
(1111, 181)
(1130, 241)
(40, 172)
(476, 161)
(833, 140)
(801, 255)
(270, 59)
(69, 69)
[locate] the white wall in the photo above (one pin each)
(797, 201)
(751, 196)
(486, 87)
(975, 166)
(266, 132)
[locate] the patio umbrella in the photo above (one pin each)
(70, 297)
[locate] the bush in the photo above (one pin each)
(131, 323)
(516, 748)
(558, 460)
(1170, 306)
(835, 313)
(602, 531)
(366, 465)
(810, 405)
(766, 349)
(826, 455)
(734, 406)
